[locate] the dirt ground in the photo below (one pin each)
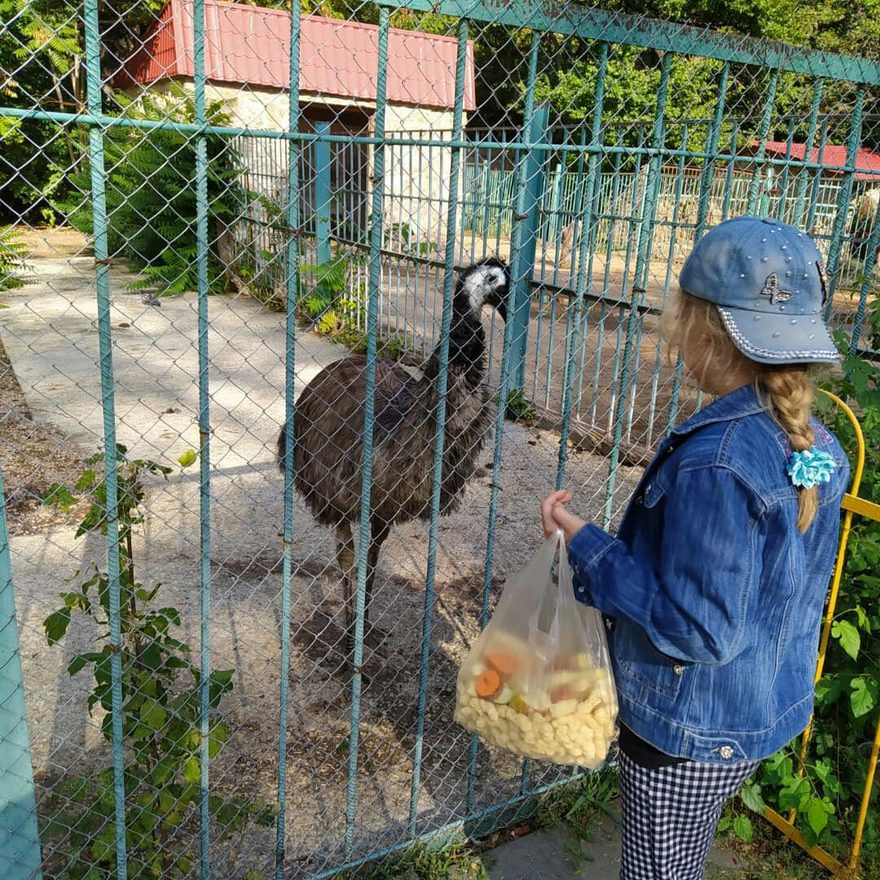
(52, 394)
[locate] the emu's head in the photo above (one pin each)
(484, 283)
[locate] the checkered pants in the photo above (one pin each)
(670, 815)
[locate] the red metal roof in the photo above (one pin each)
(251, 44)
(833, 156)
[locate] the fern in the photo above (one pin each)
(12, 262)
(151, 195)
(329, 287)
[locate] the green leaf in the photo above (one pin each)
(751, 796)
(86, 480)
(792, 793)
(58, 495)
(192, 770)
(77, 663)
(188, 458)
(817, 815)
(153, 714)
(861, 699)
(848, 636)
(828, 690)
(217, 736)
(742, 828)
(56, 625)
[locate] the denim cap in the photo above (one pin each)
(769, 284)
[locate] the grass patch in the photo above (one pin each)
(452, 861)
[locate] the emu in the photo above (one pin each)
(329, 421)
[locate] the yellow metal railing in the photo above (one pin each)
(852, 504)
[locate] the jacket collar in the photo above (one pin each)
(742, 402)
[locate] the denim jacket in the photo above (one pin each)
(713, 598)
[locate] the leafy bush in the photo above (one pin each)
(160, 707)
(151, 195)
(827, 797)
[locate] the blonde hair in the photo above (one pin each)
(787, 389)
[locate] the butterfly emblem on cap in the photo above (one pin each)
(774, 291)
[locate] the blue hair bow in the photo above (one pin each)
(810, 467)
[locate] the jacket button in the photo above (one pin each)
(726, 752)
(678, 669)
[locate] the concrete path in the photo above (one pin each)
(556, 854)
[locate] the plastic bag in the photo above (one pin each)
(538, 681)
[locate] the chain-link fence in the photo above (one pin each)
(208, 204)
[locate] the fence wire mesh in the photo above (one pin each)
(171, 201)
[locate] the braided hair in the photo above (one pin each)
(787, 389)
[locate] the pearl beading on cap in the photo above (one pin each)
(730, 325)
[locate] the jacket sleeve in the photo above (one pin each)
(692, 598)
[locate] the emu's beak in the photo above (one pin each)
(499, 303)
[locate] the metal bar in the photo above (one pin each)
(670, 254)
(440, 426)
(374, 294)
(19, 834)
(292, 257)
(861, 506)
(664, 36)
(763, 132)
(603, 311)
(584, 193)
(731, 169)
(522, 260)
(501, 412)
(641, 274)
(803, 177)
(786, 172)
(322, 192)
(817, 176)
(108, 410)
(843, 198)
(707, 177)
(199, 83)
(706, 186)
(587, 236)
(514, 146)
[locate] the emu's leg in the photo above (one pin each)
(379, 532)
(345, 561)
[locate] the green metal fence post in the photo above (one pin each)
(766, 119)
(523, 267)
(641, 276)
(108, 412)
(836, 247)
(374, 294)
(322, 192)
(804, 174)
(440, 424)
(19, 836)
(292, 286)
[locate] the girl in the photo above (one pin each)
(713, 588)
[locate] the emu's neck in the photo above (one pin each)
(467, 347)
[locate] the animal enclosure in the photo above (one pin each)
(180, 280)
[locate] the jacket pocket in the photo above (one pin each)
(643, 664)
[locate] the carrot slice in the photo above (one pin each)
(488, 684)
(503, 662)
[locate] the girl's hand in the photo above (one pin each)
(554, 516)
